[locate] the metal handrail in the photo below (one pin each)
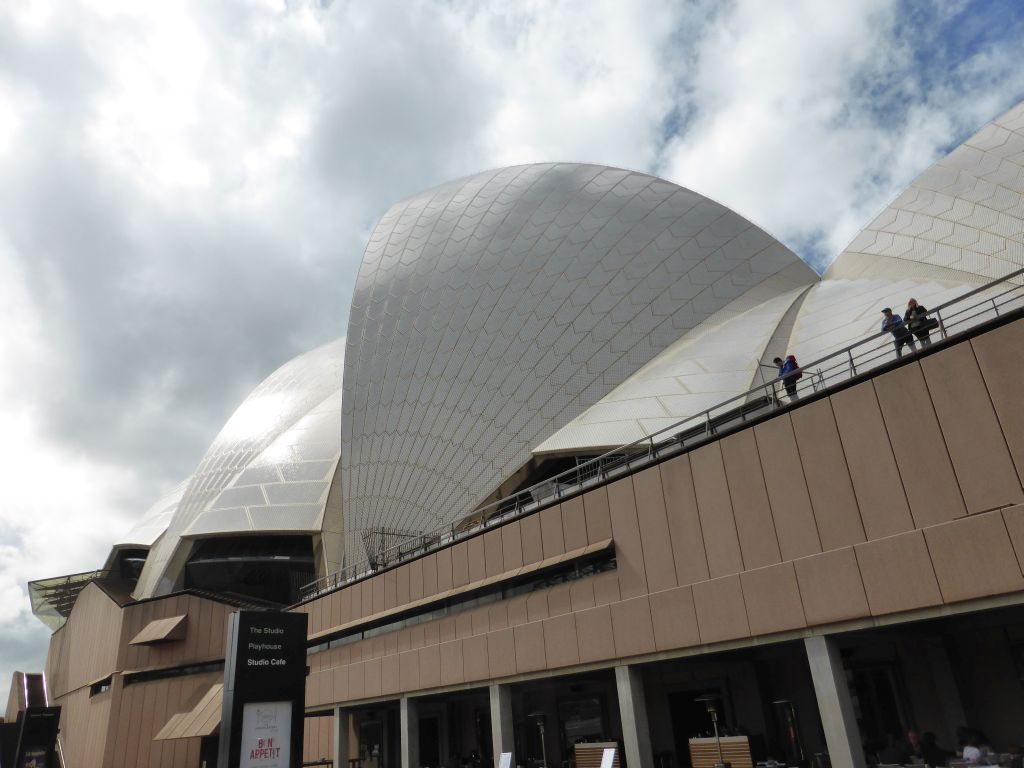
(838, 366)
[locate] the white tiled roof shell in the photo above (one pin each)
(960, 224)
(711, 363)
(841, 312)
(718, 360)
(962, 219)
(492, 310)
(269, 470)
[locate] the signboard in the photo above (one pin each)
(264, 690)
(37, 738)
(266, 734)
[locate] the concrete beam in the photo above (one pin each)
(834, 703)
(636, 734)
(502, 736)
(341, 730)
(409, 732)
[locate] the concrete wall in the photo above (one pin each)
(897, 493)
(87, 645)
(204, 635)
(318, 739)
(138, 713)
(83, 725)
(82, 651)
(116, 727)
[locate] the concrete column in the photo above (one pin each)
(409, 736)
(636, 735)
(834, 703)
(341, 730)
(502, 737)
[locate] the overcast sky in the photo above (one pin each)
(186, 187)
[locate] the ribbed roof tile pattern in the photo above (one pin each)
(838, 312)
(963, 217)
(960, 223)
(492, 310)
(269, 469)
(711, 363)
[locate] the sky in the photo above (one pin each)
(186, 187)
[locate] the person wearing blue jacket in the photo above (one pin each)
(789, 373)
(901, 335)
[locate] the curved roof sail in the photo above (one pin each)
(491, 311)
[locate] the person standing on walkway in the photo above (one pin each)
(789, 373)
(917, 320)
(901, 335)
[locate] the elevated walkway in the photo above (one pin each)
(958, 320)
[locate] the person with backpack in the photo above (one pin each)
(789, 372)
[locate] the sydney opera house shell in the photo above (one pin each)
(554, 310)
(516, 323)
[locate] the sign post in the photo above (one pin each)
(264, 690)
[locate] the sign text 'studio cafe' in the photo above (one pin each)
(264, 690)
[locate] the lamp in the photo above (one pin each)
(709, 702)
(539, 718)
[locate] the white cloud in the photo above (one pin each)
(61, 510)
(578, 80)
(811, 118)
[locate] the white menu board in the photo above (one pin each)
(266, 734)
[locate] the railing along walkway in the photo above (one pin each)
(966, 311)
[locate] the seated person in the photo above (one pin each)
(969, 749)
